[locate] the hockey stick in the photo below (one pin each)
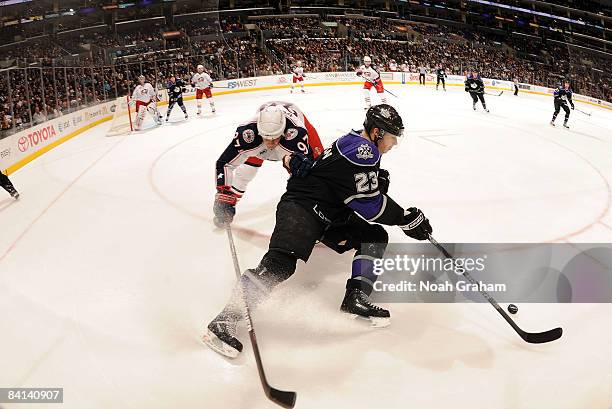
(495, 95)
(531, 337)
(386, 90)
(282, 398)
(582, 112)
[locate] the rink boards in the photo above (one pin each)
(23, 147)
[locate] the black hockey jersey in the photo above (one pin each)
(175, 89)
(474, 84)
(345, 178)
(441, 73)
(563, 95)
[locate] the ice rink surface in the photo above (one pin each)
(110, 266)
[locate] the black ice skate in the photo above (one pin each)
(552, 123)
(474, 106)
(356, 303)
(220, 335)
(565, 125)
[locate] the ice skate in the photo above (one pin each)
(220, 335)
(357, 303)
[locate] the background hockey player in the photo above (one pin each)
(475, 86)
(298, 76)
(441, 77)
(203, 84)
(176, 87)
(337, 204)
(371, 75)
(562, 97)
(146, 101)
(8, 186)
(278, 130)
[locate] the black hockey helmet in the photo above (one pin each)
(385, 118)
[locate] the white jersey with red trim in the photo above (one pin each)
(201, 81)
(144, 93)
(370, 73)
(298, 72)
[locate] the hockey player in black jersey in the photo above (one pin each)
(337, 203)
(475, 86)
(563, 96)
(440, 77)
(175, 95)
(8, 186)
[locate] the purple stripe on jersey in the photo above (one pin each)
(367, 207)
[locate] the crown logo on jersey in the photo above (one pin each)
(364, 152)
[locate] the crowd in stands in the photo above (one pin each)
(288, 40)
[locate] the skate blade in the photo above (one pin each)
(375, 322)
(214, 343)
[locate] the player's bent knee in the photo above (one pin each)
(276, 267)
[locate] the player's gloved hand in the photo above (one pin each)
(467, 89)
(298, 164)
(416, 225)
(384, 179)
(225, 206)
(359, 73)
(211, 85)
(572, 105)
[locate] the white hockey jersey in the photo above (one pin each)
(201, 81)
(144, 93)
(298, 71)
(369, 73)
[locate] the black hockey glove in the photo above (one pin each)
(299, 165)
(225, 206)
(416, 225)
(384, 179)
(572, 105)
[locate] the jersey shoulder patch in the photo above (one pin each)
(248, 135)
(357, 150)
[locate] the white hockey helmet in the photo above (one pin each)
(367, 59)
(200, 68)
(271, 122)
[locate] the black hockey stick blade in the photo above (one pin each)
(541, 337)
(282, 398)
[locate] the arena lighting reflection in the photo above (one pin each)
(539, 13)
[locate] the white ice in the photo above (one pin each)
(110, 267)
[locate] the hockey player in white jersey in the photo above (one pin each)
(279, 132)
(371, 75)
(145, 99)
(298, 76)
(203, 83)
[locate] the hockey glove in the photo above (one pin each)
(572, 105)
(298, 165)
(225, 206)
(383, 181)
(416, 225)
